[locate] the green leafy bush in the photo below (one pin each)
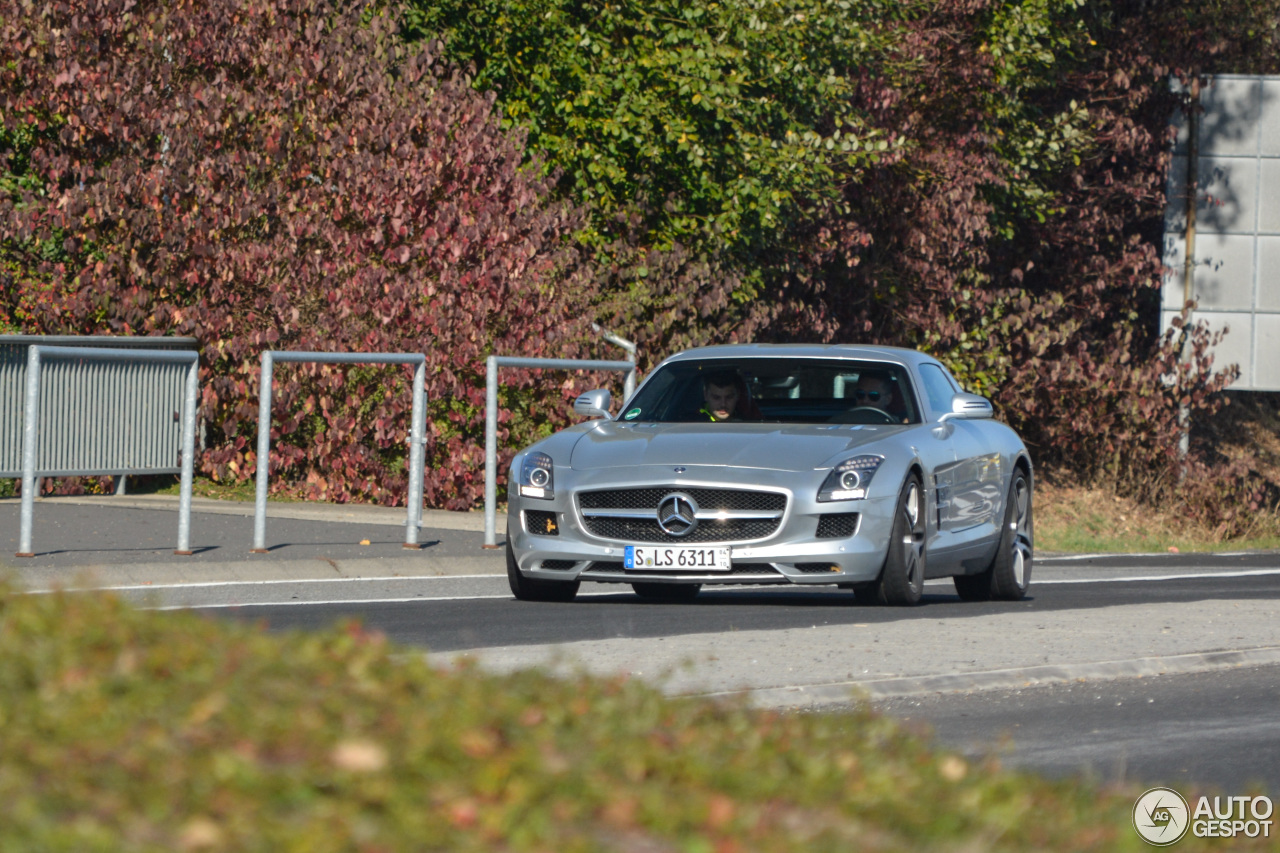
(995, 194)
(127, 730)
(718, 125)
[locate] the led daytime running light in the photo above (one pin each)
(849, 480)
(537, 477)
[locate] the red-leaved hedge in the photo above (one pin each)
(286, 174)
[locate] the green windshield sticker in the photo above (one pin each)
(632, 415)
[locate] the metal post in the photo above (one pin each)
(417, 438)
(1193, 180)
(1189, 262)
(31, 413)
(264, 457)
(188, 459)
(490, 451)
(629, 384)
(121, 485)
(417, 431)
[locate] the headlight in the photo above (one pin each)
(849, 480)
(537, 477)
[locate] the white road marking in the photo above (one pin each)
(792, 589)
(1208, 572)
(214, 584)
(1065, 558)
(349, 601)
(337, 601)
(1242, 573)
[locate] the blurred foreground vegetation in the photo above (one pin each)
(133, 730)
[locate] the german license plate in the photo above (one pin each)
(687, 559)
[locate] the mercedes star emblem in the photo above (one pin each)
(677, 514)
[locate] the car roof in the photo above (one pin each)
(900, 355)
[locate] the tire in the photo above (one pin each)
(902, 578)
(669, 592)
(528, 589)
(1009, 575)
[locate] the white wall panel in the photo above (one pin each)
(1237, 271)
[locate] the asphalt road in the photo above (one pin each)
(1059, 682)
(451, 614)
(1196, 732)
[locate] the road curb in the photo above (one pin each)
(301, 510)
(116, 576)
(842, 692)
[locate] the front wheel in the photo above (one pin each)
(1009, 574)
(528, 589)
(669, 592)
(902, 578)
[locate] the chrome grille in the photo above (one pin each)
(724, 515)
(711, 499)
(638, 530)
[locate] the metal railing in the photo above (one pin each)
(629, 347)
(418, 420)
(131, 443)
(492, 363)
(31, 431)
(100, 419)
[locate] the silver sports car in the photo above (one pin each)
(865, 467)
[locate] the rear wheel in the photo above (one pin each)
(902, 578)
(528, 589)
(671, 592)
(1009, 574)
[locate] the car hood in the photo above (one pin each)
(769, 446)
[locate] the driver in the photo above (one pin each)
(723, 393)
(877, 392)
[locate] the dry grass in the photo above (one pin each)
(1074, 518)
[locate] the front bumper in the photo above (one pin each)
(802, 550)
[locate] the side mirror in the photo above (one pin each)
(593, 404)
(969, 407)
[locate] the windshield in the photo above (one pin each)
(776, 390)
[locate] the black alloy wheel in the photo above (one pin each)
(1009, 575)
(902, 578)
